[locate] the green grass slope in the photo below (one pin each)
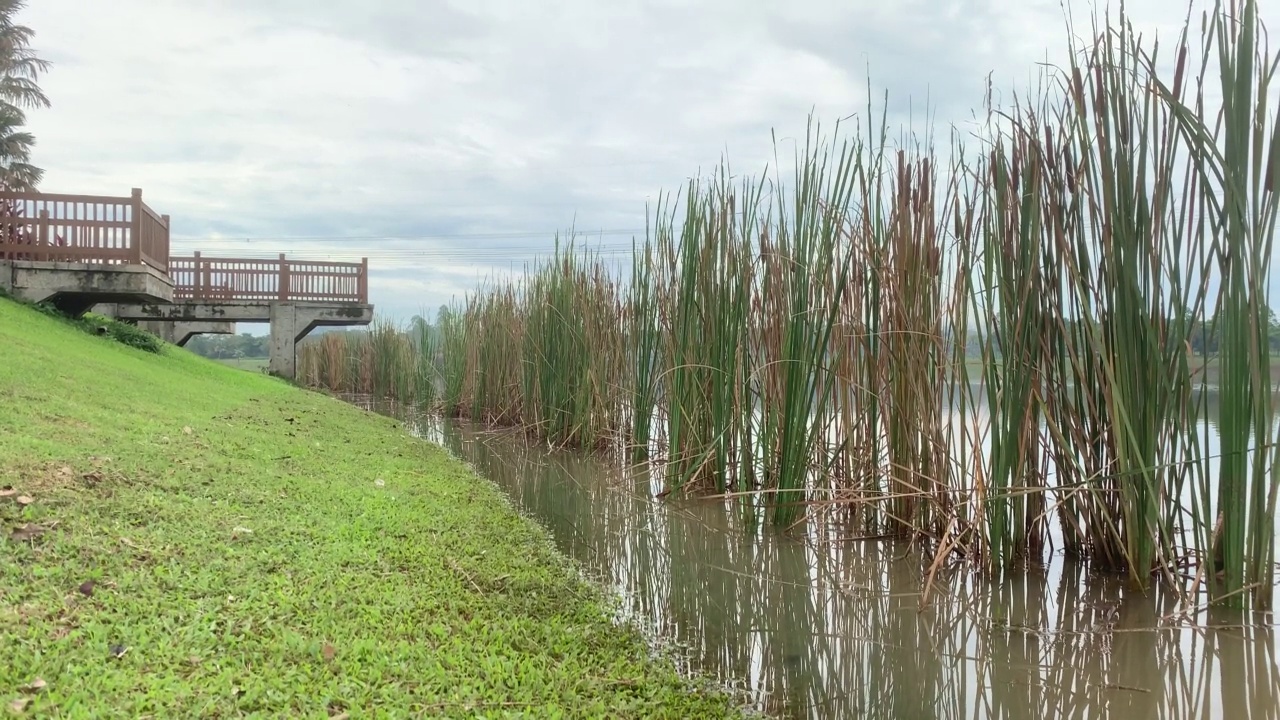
(182, 539)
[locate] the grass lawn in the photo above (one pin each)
(184, 540)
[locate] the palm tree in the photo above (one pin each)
(20, 68)
(15, 152)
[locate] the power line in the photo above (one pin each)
(461, 254)
(539, 234)
(489, 249)
(460, 258)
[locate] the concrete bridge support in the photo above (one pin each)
(182, 331)
(290, 321)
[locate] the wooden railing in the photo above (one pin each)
(83, 229)
(220, 279)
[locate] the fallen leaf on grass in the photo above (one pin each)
(186, 430)
(8, 493)
(25, 500)
(92, 478)
(86, 588)
(380, 482)
(35, 686)
(236, 532)
(19, 705)
(328, 652)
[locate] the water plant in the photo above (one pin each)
(989, 350)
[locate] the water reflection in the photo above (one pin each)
(823, 627)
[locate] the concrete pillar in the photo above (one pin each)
(290, 323)
(283, 360)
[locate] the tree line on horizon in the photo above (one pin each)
(1204, 337)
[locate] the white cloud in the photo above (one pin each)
(469, 122)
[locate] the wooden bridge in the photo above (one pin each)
(83, 229)
(210, 278)
(82, 252)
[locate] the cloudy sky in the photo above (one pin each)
(450, 140)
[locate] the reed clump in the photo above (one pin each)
(385, 361)
(989, 351)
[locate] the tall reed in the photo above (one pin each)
(384, 361)
(987, 352)
(641, 333)
(704, 272)
(1237, 157)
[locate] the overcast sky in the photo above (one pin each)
(450, 140)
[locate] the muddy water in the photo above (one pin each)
(822, 627)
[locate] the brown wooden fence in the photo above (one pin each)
(220, 279)
(83, 229)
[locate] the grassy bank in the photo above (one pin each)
(186, 540)
(252, 364)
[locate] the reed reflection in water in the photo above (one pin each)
(816, 625)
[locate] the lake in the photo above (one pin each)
(816, 624)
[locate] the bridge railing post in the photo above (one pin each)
(362, 280)
(135, 227)
(197, 278)
(167, 229)
(42, 235)
(284, 279)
